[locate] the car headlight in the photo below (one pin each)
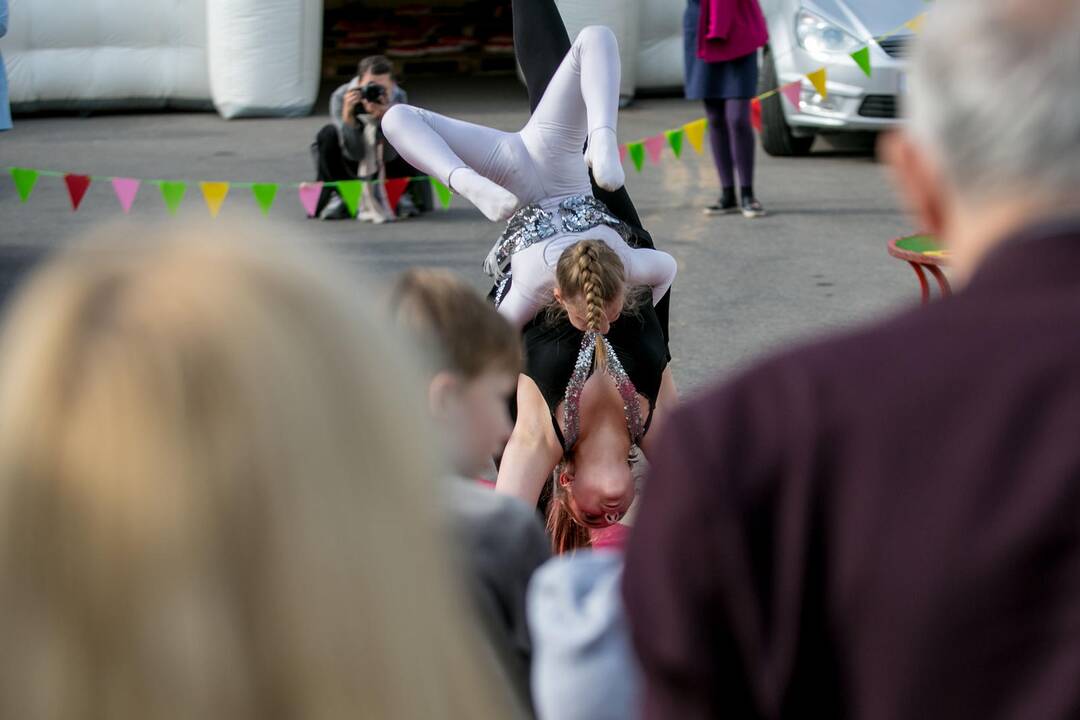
(818, 35)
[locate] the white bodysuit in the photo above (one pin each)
(542, 164)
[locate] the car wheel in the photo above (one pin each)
(776, 137)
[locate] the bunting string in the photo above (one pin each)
(214, 193)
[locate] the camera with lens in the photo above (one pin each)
(373, 92)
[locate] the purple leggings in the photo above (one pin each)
(731, 136)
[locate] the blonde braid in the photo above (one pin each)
(591, 270)
(588, 267)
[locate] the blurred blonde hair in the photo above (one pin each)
(216, 497)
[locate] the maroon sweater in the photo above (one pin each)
(883, 525)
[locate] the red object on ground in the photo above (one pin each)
(922, 253)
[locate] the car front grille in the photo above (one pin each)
(878, 106)
(896, 46)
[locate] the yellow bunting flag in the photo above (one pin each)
(915, 24)
(818, 79)
(214, 193)
(695, 133)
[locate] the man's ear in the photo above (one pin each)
(442, 393)
(565, 478)
(918, 180)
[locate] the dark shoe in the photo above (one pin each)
(751, 208)
(720, 207)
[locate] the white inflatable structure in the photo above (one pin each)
(649, 33)
(245, 57)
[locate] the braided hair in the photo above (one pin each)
(592, 271)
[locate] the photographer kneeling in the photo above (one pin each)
(353, 147)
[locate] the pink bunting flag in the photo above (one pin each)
(309, 196)
(793, 92)
(126, 189)
(622, 153)
(655, 147)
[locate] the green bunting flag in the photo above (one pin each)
(637, 154)
(24, 181)
(173, 192)
(675, 138)
(350, 193)
(264, 195)
(442, 192)
(862, 59)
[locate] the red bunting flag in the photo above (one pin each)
(755, 113)
(77, 186)
(395, 188)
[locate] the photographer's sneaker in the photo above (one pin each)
(335, 209)
(497, 203)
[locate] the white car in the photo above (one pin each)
(806, 35)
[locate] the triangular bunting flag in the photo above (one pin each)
(264, 195)
(77, 186)
(674, 138)
(655, 147)
(214, 193)
(862, 59)
(637, 153)
(915, 24)
(125, 189)
(695, 133)
(309, 197)
(442, 192)
(622, 153)
(24, 178)
(818, 79)
(395, 187)
(350, 193)
(755, 113)
(173, 192)
(792, 91)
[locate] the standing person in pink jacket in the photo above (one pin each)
(721, 39)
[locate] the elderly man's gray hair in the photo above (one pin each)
(995, 94)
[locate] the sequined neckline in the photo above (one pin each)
(582, 372)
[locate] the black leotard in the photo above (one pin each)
(551, 349)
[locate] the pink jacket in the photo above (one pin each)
(729, 29)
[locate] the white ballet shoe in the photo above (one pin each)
(497, 203)
(602, 155)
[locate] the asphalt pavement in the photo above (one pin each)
(816, 263)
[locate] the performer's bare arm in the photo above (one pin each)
(533, 450)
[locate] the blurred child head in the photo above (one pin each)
(475, 357)
(202, 458)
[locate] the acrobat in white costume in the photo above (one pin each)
(539, 166)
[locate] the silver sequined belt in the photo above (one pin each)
(532, 224)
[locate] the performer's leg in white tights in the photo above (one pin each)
(496, 170)
(580, 103)
(479, 162)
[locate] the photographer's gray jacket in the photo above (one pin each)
(357, 144)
